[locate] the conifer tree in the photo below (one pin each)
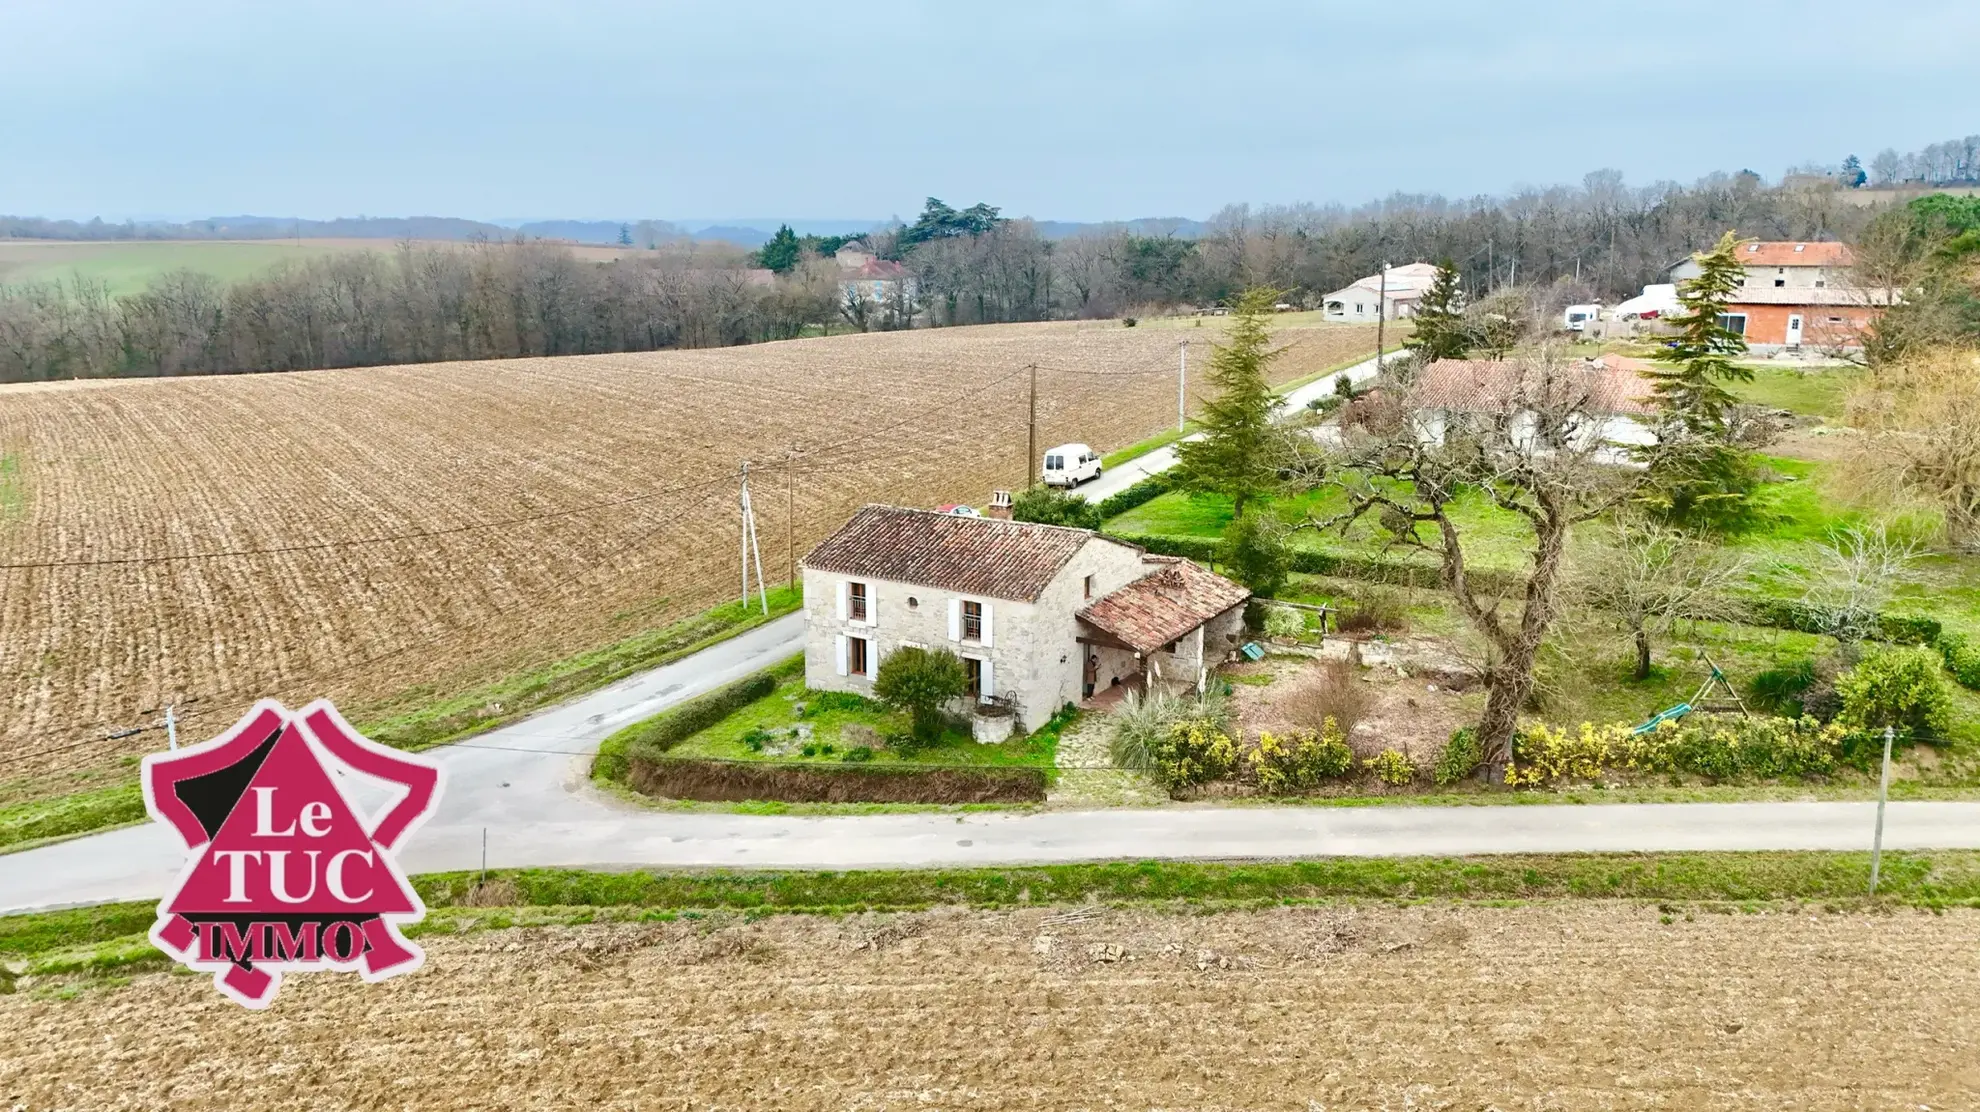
(1705, 478)
(1235, 456)
(1439, 319)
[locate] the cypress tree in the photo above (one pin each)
(1234, 457)
(1705, 476)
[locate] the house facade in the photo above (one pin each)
(1611, 390)
(1795, 295)
(864, 276)
(1376, 298)
(1012, 599)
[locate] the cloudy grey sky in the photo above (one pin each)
(1052, 108)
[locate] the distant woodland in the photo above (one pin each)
(489, 298)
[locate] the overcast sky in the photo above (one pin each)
(1051, 108)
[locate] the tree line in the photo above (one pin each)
(416, 304)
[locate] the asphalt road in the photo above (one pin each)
(525, 789)
(1133, 471)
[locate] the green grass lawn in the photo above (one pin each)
(775, 723)
(1500, 537)
(1817, 392)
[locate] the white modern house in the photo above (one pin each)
(1378, 298)
(1041, 615)
(1612, 390)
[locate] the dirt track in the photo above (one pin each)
(1587, 1006)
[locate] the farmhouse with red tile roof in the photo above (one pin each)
(1042, 615)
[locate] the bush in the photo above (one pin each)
(1961, 659)
(857, 753)
(1052, 506)
(920, 681)
(1543, 756)
(1330, 694)
(1392, 767)
(1143, 721)
(1194, 751)
(1726, 747)
(1461, 756)
(1899, 688)
(1376, 608)
(1779, 689)
(817, 701)
(1253, 551)
(1299, 761)
(1283, 622)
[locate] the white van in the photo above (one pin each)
(1577, 317)
(1069, 465)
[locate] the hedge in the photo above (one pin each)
(1373, 569)
(1147, 490)
(1899, 629)
(669, 728)
(715, 781)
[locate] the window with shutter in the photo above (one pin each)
(972, 621)
(972, 676)
(856, 602)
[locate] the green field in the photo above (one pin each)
(128, 266)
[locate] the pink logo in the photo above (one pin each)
(286, 875)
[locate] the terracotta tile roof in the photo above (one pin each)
(1494, 386)
(1158, 608)
(1785, 254)
(1830, 295)
(968, 555)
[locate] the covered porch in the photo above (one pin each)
(1165, 630)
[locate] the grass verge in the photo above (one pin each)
(514, 697)
(23, 825)
(111, 936)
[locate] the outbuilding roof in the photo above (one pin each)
(1160, 607)
(1500, 386)
(1796, 254)
(968, 555)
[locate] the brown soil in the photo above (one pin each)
(1568, 1007)
(383, 534)
(1403, 714)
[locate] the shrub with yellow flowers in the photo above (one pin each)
(1392, 766)
(1301, 760)
(1194, 751)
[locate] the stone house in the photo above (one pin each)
(1796, 294)
(1376, 297)
(1041, 615)
(1612, 391)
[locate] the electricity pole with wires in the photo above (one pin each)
(1381, 314)
(1182, 380)
(1031, 432)
(750, 547)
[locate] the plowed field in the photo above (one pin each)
(207, 541)
(1566, 1007)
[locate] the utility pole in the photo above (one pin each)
(1381, 314)
(1883, 791)
(790, 514)
(750, 547)
(1182, 381)
(171, 728)
(1031, 433)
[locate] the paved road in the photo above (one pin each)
(1127, 474)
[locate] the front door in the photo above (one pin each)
(1794, 330)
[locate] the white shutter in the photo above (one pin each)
(989, 684)
(845, 592)
(955, 619)
(839, 643)
(986, 624)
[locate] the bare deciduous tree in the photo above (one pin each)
(1648, 577)
(1923, 424)
(1853, 576)
(1534, 444)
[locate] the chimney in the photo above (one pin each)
(1000, 505)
